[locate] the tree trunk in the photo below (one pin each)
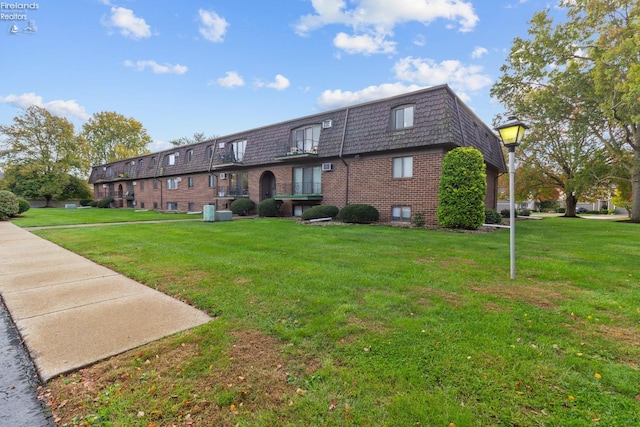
(635, 187)
(48, 199)
(570, 202)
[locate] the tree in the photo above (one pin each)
(197, 137)
(40, 152)
(462, 190)
(111, 136)
(590, 63)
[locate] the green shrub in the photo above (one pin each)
(506, 213)
(105, 203)
(561, 210)
(85, 202)
(320, 211)
(418, 219)
(268, 208)
(9, 205)
(491, 216)
(359, 214)
(524, 212)
(462, 190)
(94, 204)
(242, 207)
(23, 206)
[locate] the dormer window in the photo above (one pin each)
(305, 140)
(237, 150)
(403, 117)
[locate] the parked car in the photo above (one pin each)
(581, 211)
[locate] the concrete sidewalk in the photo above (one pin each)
(72, 312)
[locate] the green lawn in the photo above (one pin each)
(37, 217)
(372, 325)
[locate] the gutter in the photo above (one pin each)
(344, 135)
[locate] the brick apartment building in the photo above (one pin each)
(386, 153)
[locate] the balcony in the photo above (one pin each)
(301, 150)
(299, 191)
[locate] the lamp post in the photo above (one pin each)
(511, 134)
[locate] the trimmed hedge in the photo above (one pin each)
(9, 206)
(23, 206)
(85, 202)
(462, 190)
(242, 207)
(268, 208)
(105, 203)
(320, 211)
(359, 214)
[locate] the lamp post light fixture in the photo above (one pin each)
(511, 134)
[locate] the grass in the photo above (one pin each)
(59, 217)
(371, 325)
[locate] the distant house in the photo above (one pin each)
(386, 153)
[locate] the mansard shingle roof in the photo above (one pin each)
(440, 119)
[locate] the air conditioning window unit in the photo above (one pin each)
(223, 175)
(327, 167)
(326, 124)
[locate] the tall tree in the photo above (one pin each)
(589, 62)
(111, 136)
(39, 152)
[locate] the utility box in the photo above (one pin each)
(70, 206)
(224, 215)
(209, 213)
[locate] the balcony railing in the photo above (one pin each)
(299, 189)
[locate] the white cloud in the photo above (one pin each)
(338, 98)
(69, 108)
(213, 27)
(280, 83)
(379, 17)
(460, 77)
(130, 25)
(158, 145)
(155, 67)
(366, 44)
(479, 51)
(231, 79)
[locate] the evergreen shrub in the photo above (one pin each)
(105, 203)
(268, 208)
(23, 206)
(320, 211)
(462, 190)
(242, 207)
(359, 214)
(491, 216)
(9, 206)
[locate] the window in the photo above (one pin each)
(210, 152)
(239, 184)
(155, 184)
(155, 205)
(189, 155)
(141, 205)
(172, 206)
(153, 163)
(141, 185)
(403, 167)
(403, 117)
(237, 150)
(170, 159)
(192, 206)
(109, 172)
(401, 213)
(172, 184)
(190, 181)
(307, 180)
(306, 139)
(212, 180)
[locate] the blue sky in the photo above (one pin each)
(224, 66)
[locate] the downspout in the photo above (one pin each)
(344, 135)
(464, 143)
(155, 176)
(213, 155)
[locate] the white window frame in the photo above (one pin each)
(403, 117)
(402, 167)
(238, 149)
(172, 184)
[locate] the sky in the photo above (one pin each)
(224, 66)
